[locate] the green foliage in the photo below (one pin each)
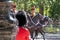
(52, 29)
(52, 9)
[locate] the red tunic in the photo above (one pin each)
(23, 34)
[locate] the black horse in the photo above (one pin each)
(37, 28)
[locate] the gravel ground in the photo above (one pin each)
(48, 36)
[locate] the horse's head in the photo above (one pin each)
(47, 20)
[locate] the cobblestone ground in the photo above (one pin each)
(48, 36)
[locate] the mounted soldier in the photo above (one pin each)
(30, 16)
(7, 25)
(33, 20)
(36, 22)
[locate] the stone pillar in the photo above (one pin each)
(7, 29)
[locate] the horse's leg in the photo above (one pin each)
(36, 33)
(32, 33)
(42, 33)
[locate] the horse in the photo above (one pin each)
(37, 28)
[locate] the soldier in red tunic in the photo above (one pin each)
(23, 33)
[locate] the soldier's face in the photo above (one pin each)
(33, 11)
(13, 8)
